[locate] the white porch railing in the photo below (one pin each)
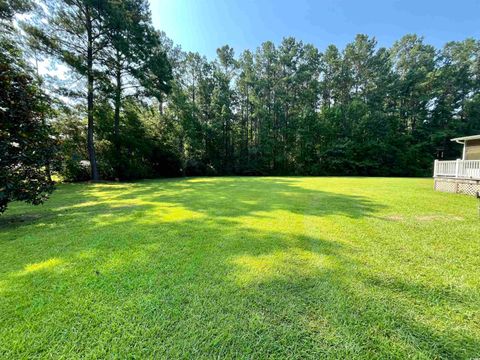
(466, 169)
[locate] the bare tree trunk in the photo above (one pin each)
(90, 143)
(118, 95)
(116, 119)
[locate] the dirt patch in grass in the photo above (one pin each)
(394, 218)
(424, 218)
(427, 218)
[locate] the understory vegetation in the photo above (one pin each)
(245, 267)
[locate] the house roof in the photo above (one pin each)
(465, 138)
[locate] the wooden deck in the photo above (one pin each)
(457, 176)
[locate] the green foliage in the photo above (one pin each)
(140, 150)
(292, 110)
(9, 8)
(74, 166)
(26, 145)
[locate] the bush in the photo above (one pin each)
(76, 170)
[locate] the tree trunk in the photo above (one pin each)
(118, 95)
(116, 120)
(90, 143)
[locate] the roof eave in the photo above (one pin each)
(466, 138)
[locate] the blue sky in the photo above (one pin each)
(205, 25)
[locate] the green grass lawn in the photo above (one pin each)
(242, 268)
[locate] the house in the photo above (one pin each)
(461, 175)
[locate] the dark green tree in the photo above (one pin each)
(26, 144)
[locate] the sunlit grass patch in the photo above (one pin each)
(41, 266)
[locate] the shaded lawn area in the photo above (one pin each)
(242, 267)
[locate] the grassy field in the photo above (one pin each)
(242, 268)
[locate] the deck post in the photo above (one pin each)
(435, 164)
(457, 168)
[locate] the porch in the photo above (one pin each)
(461, 175)
(457, 176)
(463, 169)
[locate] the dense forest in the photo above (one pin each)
(131, 104)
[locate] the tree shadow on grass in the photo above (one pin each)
(227, 197)
(214, 197)
(126, 268)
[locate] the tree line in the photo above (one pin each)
(135, 105)
(292, 109)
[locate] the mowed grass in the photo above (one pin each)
(242, 268)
